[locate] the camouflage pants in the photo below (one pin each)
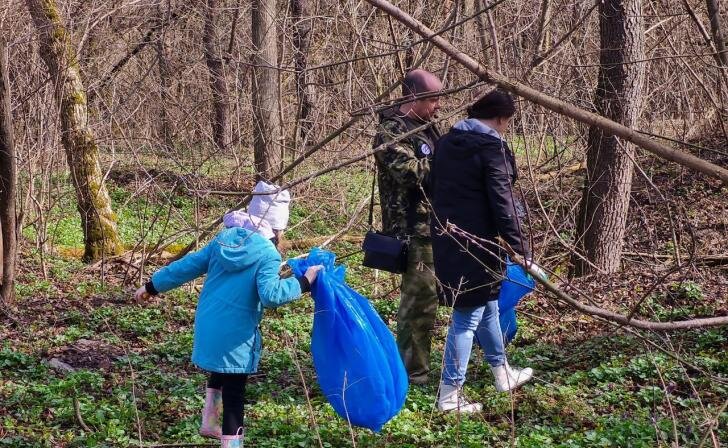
(417, 308)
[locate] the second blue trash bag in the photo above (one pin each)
(355, 355)
(517, 283)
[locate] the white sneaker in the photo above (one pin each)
(525, 372)
(451, 399)
(508, 378)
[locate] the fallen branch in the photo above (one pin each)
(291, 184)
(616, 317)
(592, 310)
(561, 107)
(558, 173)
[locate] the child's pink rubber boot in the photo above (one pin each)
(235, 441)
(211, 414)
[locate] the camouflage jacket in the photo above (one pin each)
(403, 171)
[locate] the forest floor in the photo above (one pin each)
(81, 365)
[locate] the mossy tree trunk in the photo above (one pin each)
(265, 92)
(101, 237)
(8, 183)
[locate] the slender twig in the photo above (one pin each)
(713, 424)
(294, 357)
(79, 418)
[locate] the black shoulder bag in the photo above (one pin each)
(382, 251)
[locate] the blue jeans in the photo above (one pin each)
(481, 322)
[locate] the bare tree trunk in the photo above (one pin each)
(82, 153)
(218, 83)
(165, 83)
(618, 96)
(715, 30)
(480, 24)
(493, 36)
(543, 35)
(301, 39)
(469, 27)
(8, 185)
(266, 98)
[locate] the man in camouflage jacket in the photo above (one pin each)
(403, 171)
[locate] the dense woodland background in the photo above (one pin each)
(128, 127)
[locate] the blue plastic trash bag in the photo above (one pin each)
(355, 355)
(515, 286)
(509, 325)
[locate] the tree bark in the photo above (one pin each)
(8, 185)
(165, 83)
(82, 153)
(480, 24)
(265, 94)
(469, 29)
(607, 186)
(542, 35)
(301, 39)
(715, 30)
(555, 104)
(218, 83)
(493, 35)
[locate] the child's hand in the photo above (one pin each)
(141, 295)
(312, 273)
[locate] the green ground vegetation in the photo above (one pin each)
(133, 381)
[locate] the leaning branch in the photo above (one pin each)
(591, 310)
(616, 317)
(551, 103)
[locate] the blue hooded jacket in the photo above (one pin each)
(242, 270)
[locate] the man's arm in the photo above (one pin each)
(400, 159)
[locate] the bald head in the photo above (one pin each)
(418, 81)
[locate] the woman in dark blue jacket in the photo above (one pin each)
(473, 204)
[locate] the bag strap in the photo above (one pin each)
(371, 199)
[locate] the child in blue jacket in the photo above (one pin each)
(242, 266)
